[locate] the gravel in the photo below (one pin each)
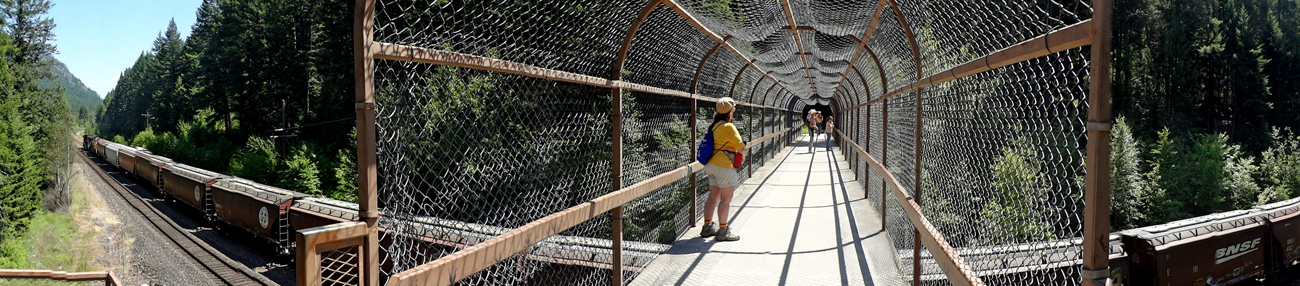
(140, 254)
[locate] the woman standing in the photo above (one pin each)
(830, 129)
(722, 175)
(814, 118)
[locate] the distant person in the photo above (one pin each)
(830, 129)
(814, 117)
(722, 174)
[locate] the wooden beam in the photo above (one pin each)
(699, 26)
(695, 80)
(916, 147)
(367, 162)
(789, 16)
(732, 90)
(388, 51)
(631, 34)
(461, 264)
(1096, 206)
(862, 41)
(1070, 37)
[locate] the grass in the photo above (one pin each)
(54, 241)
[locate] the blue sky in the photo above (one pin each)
(98, 39)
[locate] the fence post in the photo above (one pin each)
(367, 170)
(616, 269)
(694, 182)
(857, 158)
(749, 112)
(916, 192)
(1096, 217)
(884, 160)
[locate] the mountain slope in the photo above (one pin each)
(78, 94)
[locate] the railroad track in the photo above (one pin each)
(222, 268)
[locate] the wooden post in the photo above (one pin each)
(749, 112)
(857, 119)
(367, 170)
(617, 269)
(695, 188)
(616, 277)
(916, 192)
(884, 160)
(1096, 210)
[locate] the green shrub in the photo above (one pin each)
(21, 176)
(258, 161)
(1128, 187)
(1279, 166)
(345, 176)
(300, 171)
(1014, 213)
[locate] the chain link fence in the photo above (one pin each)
(1001, 151)
(502, 113)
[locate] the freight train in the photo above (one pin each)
(272, 214)
(275, 214)
(1256, 244)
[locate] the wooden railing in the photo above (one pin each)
(461, 264)
(332, 254)
(108, 277)
(957, 270)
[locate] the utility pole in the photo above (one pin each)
(147, 116)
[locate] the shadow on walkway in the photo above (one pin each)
(803, 220)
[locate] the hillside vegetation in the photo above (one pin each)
(249, 67)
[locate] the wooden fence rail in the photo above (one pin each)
(109, 278)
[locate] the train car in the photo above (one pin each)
(99, 147)
(190, 185)
(126, 158)
(1007, 264)
(88, 142)
(259, 209)
(313, 212)
(1217, 249)
(1284, 221)
(149, 167)
(110, 153)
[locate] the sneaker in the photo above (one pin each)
(724, 234)
(709, 230)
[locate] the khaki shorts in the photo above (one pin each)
(721, 177)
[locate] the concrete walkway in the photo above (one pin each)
(802, 220)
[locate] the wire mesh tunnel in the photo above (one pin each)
(494, 115)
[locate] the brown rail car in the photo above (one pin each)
(253, 207)
(126, 158)
(1218, 249)
(314, 212)
(189, 185)
(149, 167)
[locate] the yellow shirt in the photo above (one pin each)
(725, 137)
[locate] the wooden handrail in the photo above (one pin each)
(461, 264)
(1074, 36)
(958, 272)
(398, 52)
(109, 278)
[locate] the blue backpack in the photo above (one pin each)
(705, 151)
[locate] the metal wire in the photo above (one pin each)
(466, 154)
